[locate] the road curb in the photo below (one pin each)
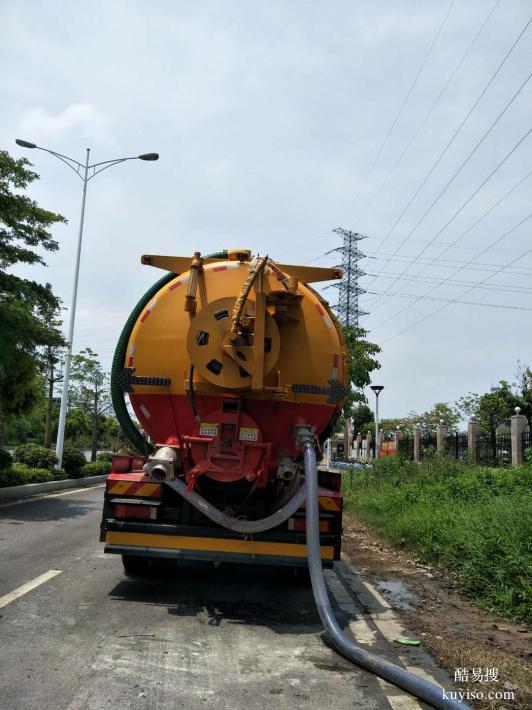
(31, 489)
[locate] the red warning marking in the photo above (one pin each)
(336, 359)
(130, 361)
(220, 268)
(175, 285)
(320, 309)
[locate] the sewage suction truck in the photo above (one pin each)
(236, 370)
(222, 361)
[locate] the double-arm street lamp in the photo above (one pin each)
(377, 389)
(85, 172)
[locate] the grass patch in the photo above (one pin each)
(474, 521)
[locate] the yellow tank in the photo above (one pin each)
(229, 357)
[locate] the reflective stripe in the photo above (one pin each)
(250, 547)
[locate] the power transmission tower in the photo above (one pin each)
(347, 308)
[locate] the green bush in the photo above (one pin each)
(73, 461)
(35, 456)
(474, 521)
(96, 468)
(105, 456)
(5, 460)
(19, 474)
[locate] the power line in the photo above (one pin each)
(456, 282)
(468, 200)
(499, 239)
(461, 125)
(442, 263)
(462, 165)
(474, 266)
(429, 112)
(400, 111)
(438, 310)
(435, 260)
(454, 300)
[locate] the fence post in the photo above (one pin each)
(518, 426)
(472, 433)
(358, 453)
(441, 433)
(417, 443)
(397, 438)
(369, 439)
(347, 438)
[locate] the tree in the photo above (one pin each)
(523, 385)
(440, 411)
(390, 426)
(362, 362)
(490, 409)
(24, 227)
(91, 392)
(51, 359)
(363, 418)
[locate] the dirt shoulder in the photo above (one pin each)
(456, 633)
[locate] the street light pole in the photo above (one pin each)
(377, 389)
(66, 375)
(82, 170)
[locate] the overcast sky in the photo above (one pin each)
(275, 123)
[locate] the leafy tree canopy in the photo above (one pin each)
(24, 229)
(492, 408)
(91, 392)
(362, 362)
(363, 419)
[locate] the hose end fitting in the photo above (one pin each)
(305, 435)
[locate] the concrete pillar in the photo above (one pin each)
(347, 438)
(518, 426)
(417, 443)
(441, 433)
(397, 438)
(369, 439)
(358, 451)
(472, 433)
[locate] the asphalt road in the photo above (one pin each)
(88, 637)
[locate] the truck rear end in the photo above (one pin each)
(145, 519)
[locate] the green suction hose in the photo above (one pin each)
(117, 396)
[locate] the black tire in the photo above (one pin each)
(135, 566)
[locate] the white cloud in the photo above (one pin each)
(83, 119)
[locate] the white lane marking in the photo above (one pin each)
(25, 588)
(38, 496)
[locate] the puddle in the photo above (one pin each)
(397, 594)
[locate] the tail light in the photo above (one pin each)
(299, 524)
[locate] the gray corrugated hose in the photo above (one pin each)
(420, 688)
(240, 526)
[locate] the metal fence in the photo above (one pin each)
(526, 443)
(406, 447)
(456, 446)
(427, 446)
(494, 450)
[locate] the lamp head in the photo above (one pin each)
(25, 144)
(149, 156)
(377, 389)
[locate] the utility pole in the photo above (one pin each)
(347, 308)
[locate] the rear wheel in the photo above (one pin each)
(136, 566)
